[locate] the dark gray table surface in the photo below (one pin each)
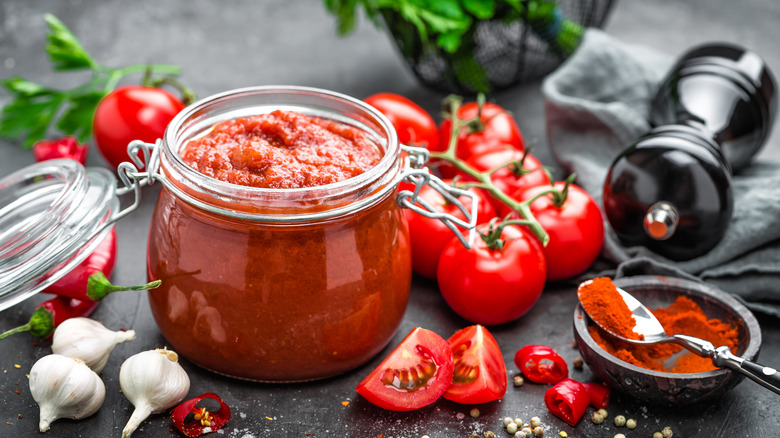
(237, 43)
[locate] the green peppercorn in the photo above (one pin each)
(535, 422)
(518, 381)
(666, 432)
(538, 431)
(511, 428)
(619, 435)
(658, 435)
(603, 412)
(507, 420)
(518, 421)
(631, 423)
(490, 434)
(596, 418)
(620, 421)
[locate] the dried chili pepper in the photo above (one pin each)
(598, 393)
(66, 147)
(567, 400)
(192, 420)
(541, 364)
(50, 313)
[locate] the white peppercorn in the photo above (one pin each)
(620, 421)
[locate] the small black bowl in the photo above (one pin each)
(665, 387)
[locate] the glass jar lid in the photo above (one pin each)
(52, 216)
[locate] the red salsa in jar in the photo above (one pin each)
(280, 285)
(281, 150)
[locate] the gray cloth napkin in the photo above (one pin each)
(596, 104)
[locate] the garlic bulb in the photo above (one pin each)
(65, 387)
(88, 340)
(153, 381)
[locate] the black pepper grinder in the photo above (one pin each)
(671, 190)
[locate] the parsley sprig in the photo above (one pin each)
(448, 28)
(34, 107)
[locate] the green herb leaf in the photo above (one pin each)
(482, 9)
(344, 10)
(450, 42)
(77, 119)
(29, 114)
(64, 49)
(470, 72)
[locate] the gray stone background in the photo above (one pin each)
(222, 45)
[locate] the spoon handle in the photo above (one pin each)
(767, 377)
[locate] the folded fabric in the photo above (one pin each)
(596, 104)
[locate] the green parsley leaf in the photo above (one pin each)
(77, 119)
(482, 9)
(29, 114)
(64, 49)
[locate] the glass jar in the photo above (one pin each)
(279, 284)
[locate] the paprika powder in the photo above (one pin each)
(683, 316)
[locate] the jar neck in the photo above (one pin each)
(281, 205)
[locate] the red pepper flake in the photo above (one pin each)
(8, 423)
(194, 421)
(17, 391)
(345, 403)
(19, 416)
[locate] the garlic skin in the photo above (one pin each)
(65, 387)
(88, 340)
(153, 381)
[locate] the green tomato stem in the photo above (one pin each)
(483, 178)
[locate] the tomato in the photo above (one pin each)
(415, 127)
(497, 126)
(510, 179)
(429, 236)
(541, 364)
(490, 285)
(415, 374)
(132, 112)
(576, 229)
(480, 372)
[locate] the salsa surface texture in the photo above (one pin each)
(281, 150)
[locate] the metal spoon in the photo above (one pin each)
(648, 326)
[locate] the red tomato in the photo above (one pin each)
(415, 127)
(576, 229)
(430, 236)
(130, 113)
(541, 364)
(415, 374)
(493, 286)
(497, 127)
(509, 179)
(480, 372)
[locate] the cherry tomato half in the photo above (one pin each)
(415, 127)
(430, 236)
(130, 113)
(493, 286)
(576, 229)
(415, 374)
(480, 372)
(509, 179)
(497, 127)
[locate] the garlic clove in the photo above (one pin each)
(153, 381)
(88, 340)
(65, 387)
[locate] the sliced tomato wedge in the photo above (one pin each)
(480, 372)
(415, 374)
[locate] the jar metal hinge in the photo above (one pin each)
(131, 175)
(415, 172)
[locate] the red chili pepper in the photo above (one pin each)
(567, 400)
(598, 393)
(102, 259)
(50, 313)
(541, 364)
(193, 421)
(67, 147)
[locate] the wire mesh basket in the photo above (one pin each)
(501, 52)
